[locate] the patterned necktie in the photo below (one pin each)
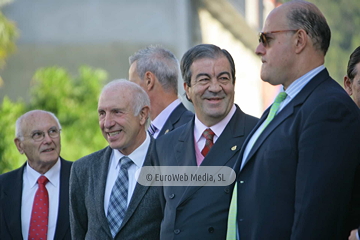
(231, 230)
(40, 212)
(152, 129)
(208, 134)
(118, 198)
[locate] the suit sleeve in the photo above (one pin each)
(78, 214)
(328, 154)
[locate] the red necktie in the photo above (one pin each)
(40, 212)
(208, 134)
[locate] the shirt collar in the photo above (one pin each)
(218, 128)
(53, 174)
(137, 156)
(300, 83)
(160, 120)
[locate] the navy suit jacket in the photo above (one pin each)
(200, 212)
(298, 181)
(87, 190)
(10, 204)
(179, 116)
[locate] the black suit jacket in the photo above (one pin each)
(200, 212)
(177, 118)
(10, 204)
(87, 190)
(298, 181)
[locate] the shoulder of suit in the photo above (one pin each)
(88, 159)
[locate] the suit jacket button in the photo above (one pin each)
(171, 196)
(227, 190)
(211, 229)
(177, 231)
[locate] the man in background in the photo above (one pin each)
(213, 138)
(41, 183)
(352, 78)
(156, 70)
(298, 167)
(106, 202)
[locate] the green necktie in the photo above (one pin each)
(231, 229)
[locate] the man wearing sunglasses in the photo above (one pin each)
(34, 199)
(298, 166)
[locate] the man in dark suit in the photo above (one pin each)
(352, 87)
(201, 212)
(156, 70)
(38, 136)
(105, 200)
(297, 167)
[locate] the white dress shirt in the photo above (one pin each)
(160, 120)
(30, 186)
(138, 157)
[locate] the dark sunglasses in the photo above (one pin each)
(263, 35)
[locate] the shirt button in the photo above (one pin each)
(177, 231)
(171, 196)
(211, 229)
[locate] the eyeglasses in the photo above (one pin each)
(263, 38)
(38, 136)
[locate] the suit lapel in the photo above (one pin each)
(285, 113)
(139, 191)
(12, 206)
(100, 185)
(224, 148)
(63, 214)
(173, 118)
(185, 152)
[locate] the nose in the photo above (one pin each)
(260, 49)
(108, 121)
(47, 138)
(214, 86)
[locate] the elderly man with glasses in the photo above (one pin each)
(34, 199)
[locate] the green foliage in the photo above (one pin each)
(8, 35)
(73, 99)
(9, 155)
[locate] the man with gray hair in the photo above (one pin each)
(41, 183)
(106, 202)
(156, 70)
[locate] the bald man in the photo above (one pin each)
(37, 135)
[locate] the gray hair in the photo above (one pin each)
(139, 97)
(305, 15)
(161, 62)
(18, 129)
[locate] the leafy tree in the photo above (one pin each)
(73, 99)
(8, 35)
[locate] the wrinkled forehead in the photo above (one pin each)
(38, 121)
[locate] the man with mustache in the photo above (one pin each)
(212, 138)
(41, 183)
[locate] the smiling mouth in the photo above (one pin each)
(48, 150)
(111, 134)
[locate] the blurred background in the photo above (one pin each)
(57, 55)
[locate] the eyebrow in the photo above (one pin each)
(207, 75)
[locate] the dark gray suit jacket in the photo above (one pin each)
(200, 212)
(10, 204)
(87, 190)
(299, 179)
(177, 118)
